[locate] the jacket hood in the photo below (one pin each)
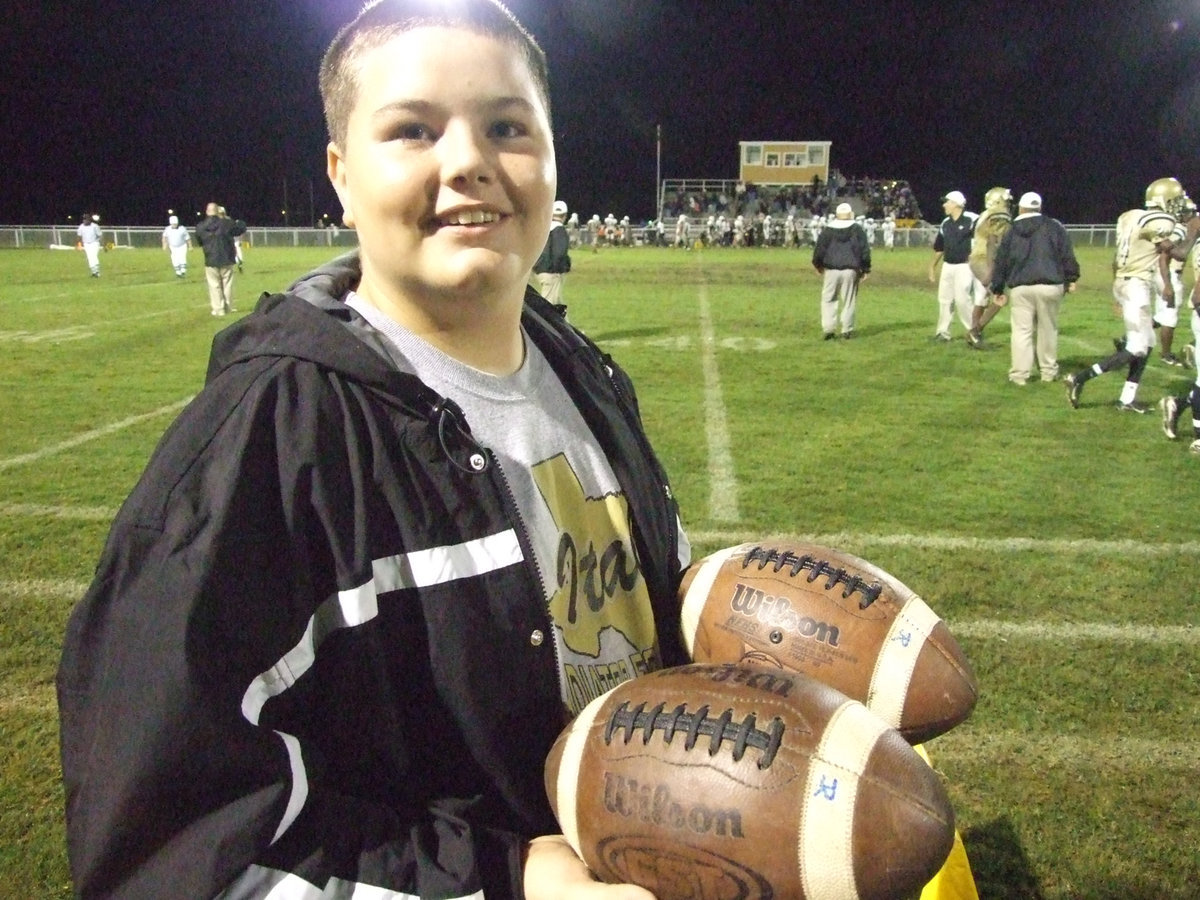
(1027, 223)
(208, 224)
(309, 322)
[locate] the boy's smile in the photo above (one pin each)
(447, 173)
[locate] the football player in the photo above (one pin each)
(1166, 315)
(89, 239)
(889, 231)
(1172, 407)
(1144, 239)
(990, 227)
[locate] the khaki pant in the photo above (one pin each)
(551, 284)
(839, 284)
(1034, 312)
(220, 288)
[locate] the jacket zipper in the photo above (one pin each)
(523, 538)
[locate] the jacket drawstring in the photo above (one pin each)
(447, 414)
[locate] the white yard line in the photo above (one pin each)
(71, 513)
(105, 430)
(1040, 750)
(1070, 632)
(849, 540)
(43, 588)
(722, 484)
(980, 629)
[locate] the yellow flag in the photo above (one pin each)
(954, 881)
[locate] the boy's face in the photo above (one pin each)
(448, 167)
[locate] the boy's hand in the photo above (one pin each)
(554, 872)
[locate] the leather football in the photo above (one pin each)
(707, 782)
(816, 610)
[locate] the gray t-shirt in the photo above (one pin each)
(572, 506)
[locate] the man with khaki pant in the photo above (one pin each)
(1035, 264)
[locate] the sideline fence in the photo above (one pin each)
(139, 236)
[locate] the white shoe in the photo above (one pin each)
(1195, 447)
(1170, 415)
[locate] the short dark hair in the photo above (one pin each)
(382, 20)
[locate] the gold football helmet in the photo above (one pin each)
(997, 198)
(1166, 194)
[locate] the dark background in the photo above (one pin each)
(129, 109)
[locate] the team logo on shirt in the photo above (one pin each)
(600, 602)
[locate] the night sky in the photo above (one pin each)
(130, 108)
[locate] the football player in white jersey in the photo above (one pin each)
(889, 231)
(176, 240)
(815, 224)
(89, 237)
(1144, 239)
(683, 232)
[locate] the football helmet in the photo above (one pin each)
(997, 198)
(1166, 194)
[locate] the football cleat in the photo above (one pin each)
(1171, 359)
(1189, 355)
(1133, 406)
(1194, 447)
(1074, 389)
(1169, 407)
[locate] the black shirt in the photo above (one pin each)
(953, 239)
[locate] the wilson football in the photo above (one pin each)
(819, 611)
(707, 781)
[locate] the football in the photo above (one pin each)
(819, 611)
(707, 781)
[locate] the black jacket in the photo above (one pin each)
(1035, 250)
(555, 258)
(842, 247)
(216, 234)
(296, 657)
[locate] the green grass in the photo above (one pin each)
(1075, 776)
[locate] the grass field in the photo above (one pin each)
(1060, 545)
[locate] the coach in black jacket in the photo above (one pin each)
(843, 257)
(215, 233)
(1035, 264)
(553, 265)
